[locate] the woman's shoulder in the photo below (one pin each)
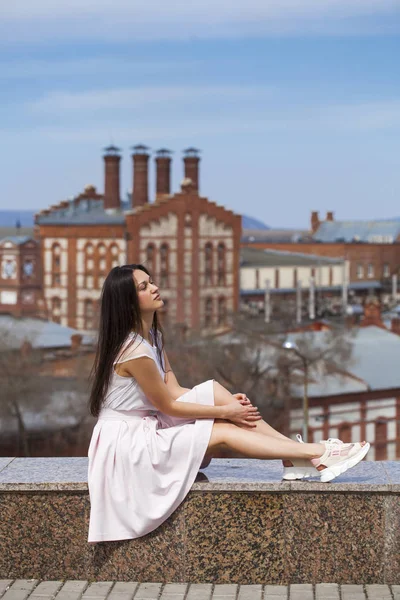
(133, 347)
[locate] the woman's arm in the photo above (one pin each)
(171, 381)
(146, 373)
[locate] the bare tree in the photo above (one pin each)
(256, 361)
(36, 394)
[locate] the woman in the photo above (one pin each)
(152, 435)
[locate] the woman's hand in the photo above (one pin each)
(242, 414)
(243, 399)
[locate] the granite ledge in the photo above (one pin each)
(222, 475)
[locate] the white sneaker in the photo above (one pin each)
(338, 458)
(298, 468)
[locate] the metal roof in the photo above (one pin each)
(85, 212)
(254, 257)
(41, 334)
(16, 239)
(11, 231)
(358, 231)
(375, 362)
(274, 236)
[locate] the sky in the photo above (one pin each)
(294, 104)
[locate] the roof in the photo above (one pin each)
(358, 231)
(88, 211)
(12, 231)
(273, 236)
(365, 371)
(372, 373)
(18, 240)
(254, 257)
(41, 334)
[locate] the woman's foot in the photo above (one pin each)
(338, 458)
(298, 468)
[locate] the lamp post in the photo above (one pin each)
(292, 346)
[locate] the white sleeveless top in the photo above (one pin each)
(124, 393)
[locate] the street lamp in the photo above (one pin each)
(292, 346)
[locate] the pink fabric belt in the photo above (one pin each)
(125, 415)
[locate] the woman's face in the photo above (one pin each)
(147, 291)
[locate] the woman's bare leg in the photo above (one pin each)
(252, 444)
(222, 396)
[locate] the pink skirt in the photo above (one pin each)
(142, 464)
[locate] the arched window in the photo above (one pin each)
(208, 312)
(89, 313)
(221, 263)
(113, 256)
(164, 265)
(101, 264)
(151, 258)
(221, 317)
(56, 309)
(56, 264)
(208, 253)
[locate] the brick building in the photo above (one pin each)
(20, 276)
(190, 244)
(372, 248)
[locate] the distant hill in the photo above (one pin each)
(8, 218)
(251, 223)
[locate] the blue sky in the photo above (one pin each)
(295, 104)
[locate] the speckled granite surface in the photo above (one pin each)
(239, 524)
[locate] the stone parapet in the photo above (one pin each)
(239, 524)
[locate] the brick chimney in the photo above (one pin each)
(372, 313)
(329, 216)
(76, 340)
(140, 193)
(191, 161)
(315, 222)
(395, 325)
(163, 173)
(111, 178)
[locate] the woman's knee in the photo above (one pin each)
(221, 432)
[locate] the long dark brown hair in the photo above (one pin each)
(119, 316)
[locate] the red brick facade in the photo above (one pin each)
(20, 277)
(190, 245)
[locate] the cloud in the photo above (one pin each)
(123, 20)
(329, 120)
(35, 69)
(130, 98)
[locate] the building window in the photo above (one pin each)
(89, 313)
(331, 280)
(360, 271)
(345, 432)
(221, 266)
(113, 252)
(381, 438)
(370, 270)
(150, 258)
(56, 309)
(208, 250)
(88, 265)
(164, 265)
(257, 282)
(208, 312)
(386, 270)
(277, 279)
(56, 264)
(221, 311)
(295, 278)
